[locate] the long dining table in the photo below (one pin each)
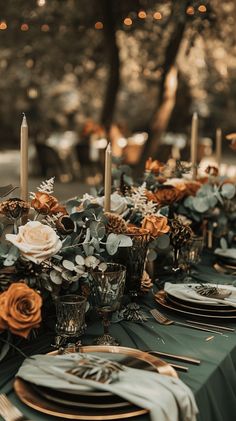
(213, 382)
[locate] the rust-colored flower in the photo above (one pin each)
(212, 170)
(166, 195)
(65, 225)
(14, 208)
(192, 187)
(156, 225)
(20, 309)
(153, 166)
(47, 204)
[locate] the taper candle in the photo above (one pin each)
(24, 143)
(107, 179)
(218, 147)
(194, 142)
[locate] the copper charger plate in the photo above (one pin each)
(161, 299)
(30, 396)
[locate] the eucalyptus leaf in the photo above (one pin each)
(212, 200)
(97, 229)
(79, 260)
(200, 204)
(5, 346)
(71, 204)
(228, 190)
(67, 264)
(151, 255)
(124, 240)
(102, 267)
(55, 277)
(66, 242)
(223, 243)
(163, 242)
(112, 244)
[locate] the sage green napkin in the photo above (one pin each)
(167, 398)
(230, 253)
(188, 293)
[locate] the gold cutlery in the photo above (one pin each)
(163, 320)
(8, 411)
(182, 358)
(229, 329)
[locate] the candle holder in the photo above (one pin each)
(70, 314)
(192, 254)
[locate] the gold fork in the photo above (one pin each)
(163, 320)
(8, 411)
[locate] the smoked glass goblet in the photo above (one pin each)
(107, 291)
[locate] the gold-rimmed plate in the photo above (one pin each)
(40, 403)
(230, 311)
(161, 299)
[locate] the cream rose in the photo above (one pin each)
(118, 203)
(36, 242)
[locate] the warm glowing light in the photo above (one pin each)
(128, 21)
(157, 15)
(24, 27)
(142, 14)
(41, 3)
(202, 8)
(32, 93)
(3, 26)
(190, 10)
(98, 25)
(29, 63)
(45, 27)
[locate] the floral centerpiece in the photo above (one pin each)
(48, 249)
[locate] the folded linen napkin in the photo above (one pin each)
(230, 253)
(167, 398)
(188, 292)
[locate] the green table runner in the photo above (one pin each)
(213, 382)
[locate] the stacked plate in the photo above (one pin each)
(86, 403)
(226, 259)
(185, 300)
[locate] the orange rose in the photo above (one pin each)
(20, 309)
(47, 204)
(167, 195)
(153, 166)
(156, 225)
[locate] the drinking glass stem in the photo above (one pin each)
(176, 258)
(106, 324)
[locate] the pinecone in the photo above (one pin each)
(115, 223)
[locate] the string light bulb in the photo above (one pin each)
(98, 25)
(3, 25)
(142, 14)
(190, 10)
(24, 27)
(45, 27)
(202, 8)
(157, 15)
(128, 21)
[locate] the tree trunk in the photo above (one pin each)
(168, 85)
(114, 65)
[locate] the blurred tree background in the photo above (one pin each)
(143, 64)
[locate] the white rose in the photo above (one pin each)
(37, 242)
(118, 203)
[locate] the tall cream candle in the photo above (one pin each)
(107, 179)
(193, 146)
(218, 147)
(24, 144)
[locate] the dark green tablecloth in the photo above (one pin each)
(213, 382)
